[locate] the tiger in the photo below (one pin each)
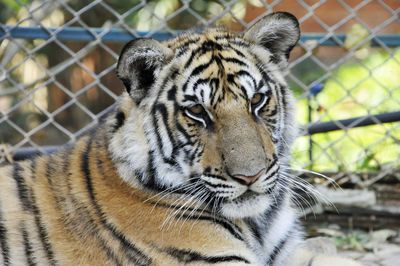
(190, 168)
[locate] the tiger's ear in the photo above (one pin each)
(278, 32)
(139, 63)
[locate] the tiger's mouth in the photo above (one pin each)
(235, 200)
(252, 202)
(247, 204)
(247, 195)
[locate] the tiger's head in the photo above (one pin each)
(209, 115)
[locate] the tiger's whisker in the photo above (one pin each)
(194, 200)
(173, 213)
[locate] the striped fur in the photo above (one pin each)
(163, 181)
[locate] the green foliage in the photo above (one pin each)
(14, 5)
(356, 35)
(152, 16)
(350, 241)
(8, 8)
(355, 89)
(368, 162)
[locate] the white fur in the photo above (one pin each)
(249, 208)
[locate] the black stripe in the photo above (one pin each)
(187, 256)
(224, 36)
(243, 93)
(277, 249)
(28, 247)
(283, 96)
(275, 161)
(272, 211)
(203, 48)
(209, 45)
(213, 93)
(191, 58)
(238, 52)
(234, 60)
(266, 107)
(255, 229)
(261, 85)
(150, 176)
(171, 94)
(189, 98)
(131, 251)
(80, 222)
(246, 73)
(32, 167)
(42, 232)
(283, 91)
(162, 109)
(167, 79)
(271, 121)
(197, 84)
(120, 117)
(218, 60)
(215, 84)
(238, 42)
(195, 153)
(273, 111)
(29, 204)
(232, 228)
(183, 48)
(201, 68)
(23, 193)
(235, 96)
(51, 172)
(37, 218)
(260, 67)
(5, 249)
(217, 185)
(259, 229)
(180, 128)
(272, 174)
(310, 262)
(270, 216)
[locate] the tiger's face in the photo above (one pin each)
(214, 113)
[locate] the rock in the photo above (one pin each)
(377, 238)
(321, 244)
(386, 255)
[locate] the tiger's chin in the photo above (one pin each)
(249, 204)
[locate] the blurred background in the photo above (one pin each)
(57, 79)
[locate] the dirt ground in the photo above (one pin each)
(378, 248)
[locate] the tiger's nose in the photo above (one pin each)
(248, 180)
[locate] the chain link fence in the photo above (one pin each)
(58, 58)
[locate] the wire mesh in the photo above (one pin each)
(54, 89)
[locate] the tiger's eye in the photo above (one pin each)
(197, 109)
(257, 98)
